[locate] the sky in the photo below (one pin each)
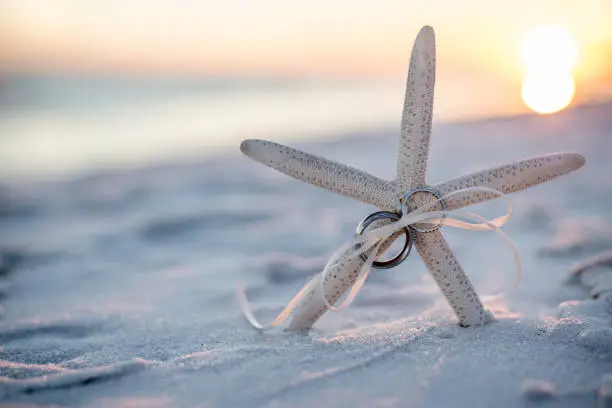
(350, 59)
(478, 41)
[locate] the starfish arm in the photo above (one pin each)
(417, 113)
(509, 178)
(339, 280)
(330, 175)
(451, 278)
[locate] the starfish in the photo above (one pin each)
(411, 185)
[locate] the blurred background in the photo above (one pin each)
(88, 85)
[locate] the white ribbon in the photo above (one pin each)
(375, 238)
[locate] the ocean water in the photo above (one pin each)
(60, 126)
(119, 261)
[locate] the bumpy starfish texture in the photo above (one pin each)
(412, 159)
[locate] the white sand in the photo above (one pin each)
(118, 289)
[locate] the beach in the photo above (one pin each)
(117, 284)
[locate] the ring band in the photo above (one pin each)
(399, 258)
(431, 191)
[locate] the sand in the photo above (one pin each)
(118, 287)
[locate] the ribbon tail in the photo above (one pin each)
(291, 306)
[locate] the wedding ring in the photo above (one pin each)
(409, 241)
(406, 210)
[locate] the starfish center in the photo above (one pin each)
(426, 199)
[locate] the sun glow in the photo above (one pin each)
(548, 93)
(549, 53)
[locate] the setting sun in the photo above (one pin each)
(549, 53)
(548, 93)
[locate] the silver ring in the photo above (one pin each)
(399, 258)
(426, 190)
